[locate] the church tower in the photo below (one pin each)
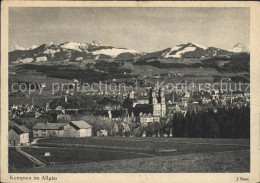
(154, 97)
(163, 105)
(158, 102)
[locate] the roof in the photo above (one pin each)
(147, 115)
(143, 98)
(24, 128)
(48, 126)
(118, 113)
(103, 131)
(20, 129)
(80, 124)
(144, 108)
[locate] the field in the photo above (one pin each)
(17, 160)
(226, 162)
(152, 145)
(80, 155)
(67, 153)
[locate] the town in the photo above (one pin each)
(121, 114)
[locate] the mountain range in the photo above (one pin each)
(74, 51)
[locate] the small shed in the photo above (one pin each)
(102, 133)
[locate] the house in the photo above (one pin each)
(144, 119)
(77, 129)
(18, 135)
(102, 133)
(143, 100)
(48, 130)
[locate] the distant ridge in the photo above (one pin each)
(75, 51)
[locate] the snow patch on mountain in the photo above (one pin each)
(96, 43)
(74, 46)
(33, 47)
(26, 60)
(113, 52)
(179, 53)
(41, 59)
(51, 51)
(79, 58)
(167, 54)
(200, 46)
(238, 48)
(97, 57)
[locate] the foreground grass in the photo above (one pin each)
(78, 155)
(17, 160)
(229, 161)
(182, 145)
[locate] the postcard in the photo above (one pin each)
(130, 91)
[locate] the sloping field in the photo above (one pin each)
(113, 154)
(80, 155)
(17, 160)
(151, 144)
(229, 161)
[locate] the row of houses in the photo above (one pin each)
(19, 134)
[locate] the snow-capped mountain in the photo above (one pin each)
(16, 47)
(113, 52)
(239, 48)
(33, 47)
(188, 50)
(96, 43)
(72, 51)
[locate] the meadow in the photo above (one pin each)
(218, 162)
(103, 149)
(119, 154)
(17, 160)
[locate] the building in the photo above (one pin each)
(77, 129)
(155, 104)
(72, 129)
(102, 133)
(18, 135)
(149, 119)
(48, 130)
(143, 100)
(158, 102)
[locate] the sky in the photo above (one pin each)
(141, 29)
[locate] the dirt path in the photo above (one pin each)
(30, 157)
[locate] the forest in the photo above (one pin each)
(224, 123)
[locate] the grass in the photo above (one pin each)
(17, 160)
(182, 145)
(79, 155)
(228, 162)
(117, 154)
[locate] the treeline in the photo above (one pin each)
(88, 75)
(162, 65)
(225, 123)
(236, 63)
